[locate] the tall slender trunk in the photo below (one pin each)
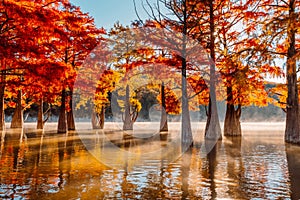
(164, 115)
(232, 125)
(128, 123)
(17, 119)
(70, 115)
(2, 121)
(186, 129)
(292, 130)
(40, 120)
(213, 128)
(62, 125)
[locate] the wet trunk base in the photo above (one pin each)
(232, 124)
(292, 129)
(213, 128)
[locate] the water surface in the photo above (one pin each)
(44, 165)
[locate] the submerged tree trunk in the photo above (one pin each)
(292, 130)
(2, 121)
(70, 115)
(128, 122)
(62, 125)
(98, 119)
(17, 119)
(232, 124)
(40, 120)
(213, 128)
(164, 115)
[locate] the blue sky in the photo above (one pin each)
(107, 12)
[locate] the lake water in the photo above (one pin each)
(44, 165)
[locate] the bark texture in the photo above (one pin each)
(128, 121)
(164, 116)
(17, 119)
(62, 125)
(186, 129)
(2, 121)
(213, 128)
(292, 130)
(232, 124)
(40, 121)
(70, 115)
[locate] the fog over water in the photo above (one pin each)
(45, 165)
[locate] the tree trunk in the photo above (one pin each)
(70, 115)
(98, 119)
(70, 120)
(164, 116)
(213, 128)
(186, 129)
(128, 123)
(62, 125)
(40, 120)
(17, 119)
(2, 121)
(232, 125)
(108, 110)
(102, 117)
(292, 130)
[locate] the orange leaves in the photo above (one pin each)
(273, 71)
(172, 101)
(253, 42)
(282, 49)
(11, 104)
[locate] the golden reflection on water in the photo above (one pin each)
(44, 165)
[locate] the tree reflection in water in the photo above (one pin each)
(42, 165)
(293, 159)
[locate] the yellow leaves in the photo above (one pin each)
(279, 94)
(136, 103)
(258, 98)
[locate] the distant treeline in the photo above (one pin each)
(249, 113)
